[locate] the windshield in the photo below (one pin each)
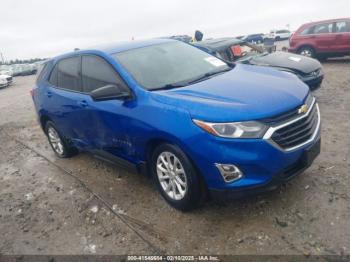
(168, 64)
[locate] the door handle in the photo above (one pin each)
(83, 103)
(49, 94)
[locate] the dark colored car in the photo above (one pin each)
(307, 69)
(323, 39)
(183, 38)
(255, 38)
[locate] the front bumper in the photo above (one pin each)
(3, 85)
(314, 83)
(264, 163)
(276, 181)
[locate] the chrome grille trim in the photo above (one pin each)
(272, 129)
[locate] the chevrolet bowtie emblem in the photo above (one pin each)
(303, 109)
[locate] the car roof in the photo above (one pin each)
(325, 21)
(117, 47)
(219, 44)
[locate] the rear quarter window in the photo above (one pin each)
(42, 70)
(53, 76)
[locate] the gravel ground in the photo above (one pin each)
(85, 206)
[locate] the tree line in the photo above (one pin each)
(22, 61)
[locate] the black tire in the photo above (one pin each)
(278, 38)
(194, 192)
(306, 51)
(67, 150)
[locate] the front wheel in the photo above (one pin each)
(307, 51)
(176, 178)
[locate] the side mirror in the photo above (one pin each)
(110, 92)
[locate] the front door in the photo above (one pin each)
(106, 121)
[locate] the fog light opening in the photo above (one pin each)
(229, 172)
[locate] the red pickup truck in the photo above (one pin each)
(323, 39)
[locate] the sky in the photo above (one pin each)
(45, 28)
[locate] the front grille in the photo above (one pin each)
(297, 132)
(312, 74)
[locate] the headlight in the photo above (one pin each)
(249, 129)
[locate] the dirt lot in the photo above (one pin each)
(83, 206)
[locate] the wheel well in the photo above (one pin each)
(151, 145)
(43, 120)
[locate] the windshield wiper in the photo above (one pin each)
(208, 75)
(197, 79)
(168, 86)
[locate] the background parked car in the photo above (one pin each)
(279, 34)
(6, 70)
(183, 38)
(16, 69)
(234, 50)
(254, 38)
(3, 81)
(25, 69)
(323, 39)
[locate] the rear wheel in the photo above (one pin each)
(307, 51)
(59, 145)
(176, 178)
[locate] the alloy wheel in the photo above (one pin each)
(171, 176)
(306, 52)
(55, 141)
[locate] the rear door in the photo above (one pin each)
(323, 37)
(342, 34)
(66, 98)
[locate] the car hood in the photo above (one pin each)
(286, 60)
(4, 76)
(244, 93)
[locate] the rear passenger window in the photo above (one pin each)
(68, 74)
(96, 73)
(343, 27)
(323, 28)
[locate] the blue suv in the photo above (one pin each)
(200, 126)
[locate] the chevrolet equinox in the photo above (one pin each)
(198, 125)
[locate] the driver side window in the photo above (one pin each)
(96, 73)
